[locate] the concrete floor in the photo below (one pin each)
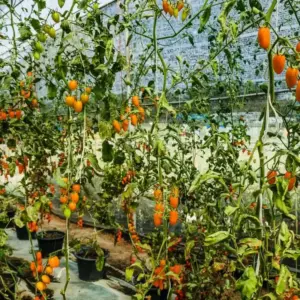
(77, 288)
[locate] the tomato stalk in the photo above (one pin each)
(69, 170)
(11, 8)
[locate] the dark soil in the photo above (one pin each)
(50, 235)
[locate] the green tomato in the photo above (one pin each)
(65, 26)
(36, 55)
(55, 17)
(52, 33)
(38, 47)
(67, 213)
(41, 37)
(46, 28)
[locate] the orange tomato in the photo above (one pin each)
(73, 85)
(264, 37)
(165, 6)
(159, 207)
(298, 47)
(133, 119)
(84, 98)
(180, 5)
(49, 270)
(278, 63)
(39, 268)
(291, 77)
(38, 255)
(54, 262)
(25, 94)
(72, 206)
(271, 176)
(136, 101)
(292, 180)
(46, 279)
(127, 109)
(170, 9)
(34, 103)
(40, 286)
(125, 125)
(174, 201)
(162, 263)
(3, 116)
(70, 100)
(157, 194)
(141, 110)
(74, 197)
(63, 199)
(88, 90)
(116, 126)
(173, 218)
(76, 188)
(78, 106)
(32, 266)
(18, 114)
(157, 219)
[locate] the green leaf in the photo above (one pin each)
(41, 4)
(229, 210)
(279, 203)
(35, 23)
(189, 246)
(61, 3)
(52, 90)
(58, 179)
(25, 32)
(109, 49)
(204, 18)
(107, 151)
(248, 283)
(18, 222)
(119, 157)
(285, 235)
(105, 131)
(94, 161)
(129, 273)
(100, 263)
(251, 242)
(163, 102)
(270, 296)
(32, 213)
(285, 277)
(159, 148)
(251, 218)
(216, 238)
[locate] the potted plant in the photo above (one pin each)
(91, 259)
(50, 241)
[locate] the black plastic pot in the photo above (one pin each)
(158, 295)
(48, 245)
(87, 266)
(22, 233)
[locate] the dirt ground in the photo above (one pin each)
(119, 254)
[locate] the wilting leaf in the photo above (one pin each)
(248, 283)
(216, 238)
(285, 277)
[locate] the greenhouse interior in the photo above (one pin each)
(149, 149)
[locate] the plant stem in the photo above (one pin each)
(14, 32)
